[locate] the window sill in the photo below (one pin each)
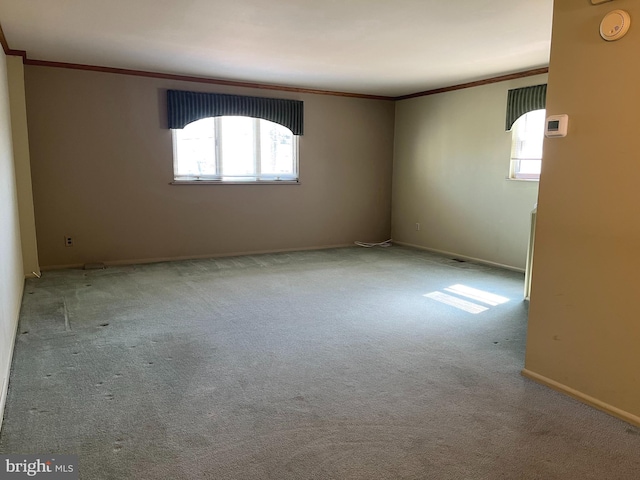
(222, 182)
(522, 179)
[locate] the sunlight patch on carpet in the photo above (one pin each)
(479, 295)
(456, 302)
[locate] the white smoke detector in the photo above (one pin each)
(615, 25)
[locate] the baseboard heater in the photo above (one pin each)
(529, 266)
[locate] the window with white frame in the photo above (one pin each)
(527, 135)
(235, 149)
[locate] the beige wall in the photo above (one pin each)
(584, 326)
(450, 166)
(20, 138)
(11, 274)
(102, 162)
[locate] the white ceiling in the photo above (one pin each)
(378, 47)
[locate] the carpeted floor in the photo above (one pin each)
(310, 365)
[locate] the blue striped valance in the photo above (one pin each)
(186, 107)
(524, 100)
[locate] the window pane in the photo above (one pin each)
(530, 134)
(237, 146)
(526, 145)
(276, 149)
(195, 149)
(529, 167)
(235, 149)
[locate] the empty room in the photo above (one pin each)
(332, 240)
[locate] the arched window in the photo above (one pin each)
(527, 135)
(235, 149)
(525, 118)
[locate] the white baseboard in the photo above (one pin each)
(7, 372)
(582, 397)
(139, 261)
(463, 257)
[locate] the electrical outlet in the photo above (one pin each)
(68, 241)
(417, 227)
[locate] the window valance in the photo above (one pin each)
(185, 107)
(524, 100)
